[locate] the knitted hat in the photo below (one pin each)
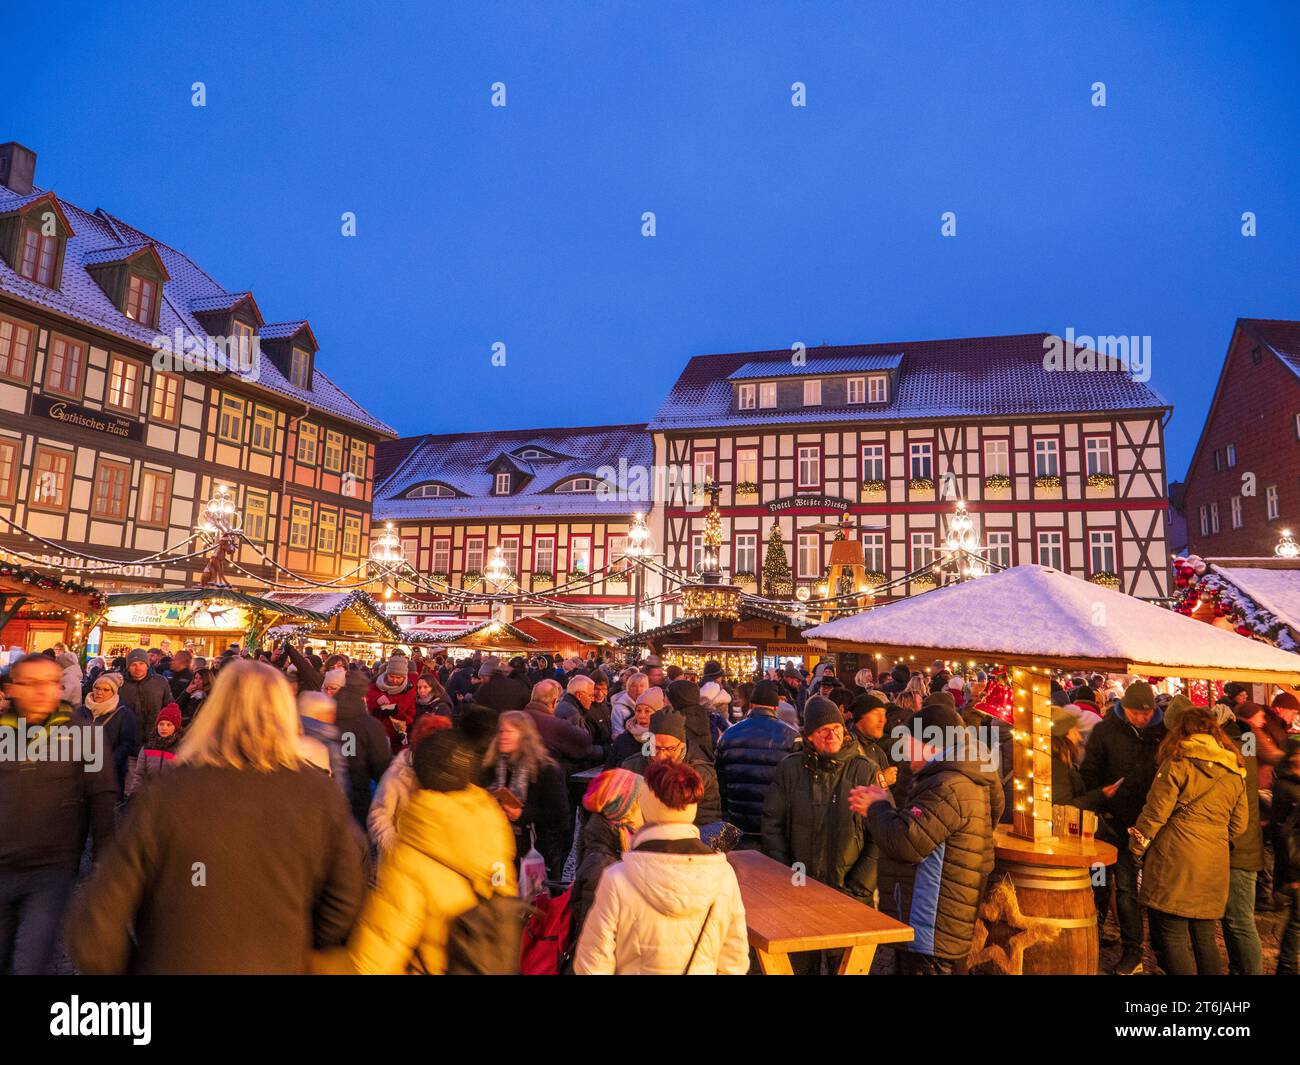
(1062, 721)
(864, 704)
(488, 667)
(1083, 694)
(335, 676)
(819, 712)
(398, 664)
(1178, 706)
(114, 679)
(938, 712)
(138, 655)
(943, 699)
(668, 723)
(613, 793)
(653, 698)
(672, 793)
(171, 712)
(1138, 696)
(682, 693)
(766, 693)
(446, 761)
(712, 670)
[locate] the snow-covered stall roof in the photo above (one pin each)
(1276, 590)
(1031, 615)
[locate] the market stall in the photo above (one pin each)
(355, 623)
(38, 610)
(1032, 620)
(489, 637)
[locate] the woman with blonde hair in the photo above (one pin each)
(530, 787)
(242, 859)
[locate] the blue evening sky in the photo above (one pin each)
(776, 224)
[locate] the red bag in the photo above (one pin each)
(546, 947)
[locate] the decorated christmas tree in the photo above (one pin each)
(777, 581)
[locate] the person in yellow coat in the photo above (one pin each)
(450, 833)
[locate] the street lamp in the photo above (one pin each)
(1287, 546)
(386, 549)
(220, 525)
(497, 570)
(640, 545)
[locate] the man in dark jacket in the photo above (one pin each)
(867, 716)
(144, 693)
(669, 730)
(936, 845)
(1246, 859)
(579, 697)
(684, 697)
(363, 741)
(806, 815)
(500, 690)
(569, 744)
(182, 673)
(1122, 748)
(46, 805)
(747, 758)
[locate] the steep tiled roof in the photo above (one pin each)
(222, 301)
(848, 362)
(461, 460)
(118, 253)
(282, 330)
(81, 299)
(1282, 337)
(980, 376)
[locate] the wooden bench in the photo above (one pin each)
(784, 919)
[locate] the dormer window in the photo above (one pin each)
(243, 334)
(578, 484)
(767, 395)
(877, 388)
(300, 369)
(812, 393)
(745, 397)
(431, 491)
(39, 254)
(142, 300)
(502, 484)
(856, 390)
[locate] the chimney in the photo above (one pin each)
(17, 167)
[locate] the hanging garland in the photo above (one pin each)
(1199, 589)
(41, 581)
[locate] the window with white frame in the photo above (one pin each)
(922, 550)
(501, 486)
(999, 547)
(877, 388)
(746, 553)
(812, 393)
(442, 555)
(578, 484)
(1205, 520)
(1214, 517)
(510, 553)
(1049, 550)
(615, 548)
(1047, 458)
(696, 562)
(873, 552)
(809, 555)
(1271, 502)
(1101, 551)
(580, 554)
(747, 466)
(430, 491)
(1231, 453)
(1236, 512)
(767, 395)
(873, 462)
(997, 458)
(856, 390)
(705, 463)
(474, 555)
(1097, 455)
(810, 466)
(921, 461)
(544, 555)
(746, 396)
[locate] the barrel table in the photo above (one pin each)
(1038, 916)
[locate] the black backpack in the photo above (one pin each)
(486, 940)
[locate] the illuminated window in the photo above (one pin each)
(39, 254)
(357, 455)
(64, 367)
(51, 473)
(230, 423)
(810, 467)
(8, 470)
(812, 393)
(165, 398)
(767, 395)
(255, 515)
(351, 536)
(142, 300)
(263, 438)
(300, 526)
(308, 439)
(300, 369)
(155, 495)
(333, 459)
(123, 384)
(808, 555)
(112, 481)
(747, 466)
(877, 388)
(997, 458)
(15, 350)
(327, 531)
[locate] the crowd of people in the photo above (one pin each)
(281, 811)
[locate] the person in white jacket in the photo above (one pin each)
(623, 705)
(672, 906)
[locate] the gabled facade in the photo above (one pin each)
(113, 452)
(1243, 484)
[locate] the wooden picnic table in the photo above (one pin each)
(784, 919)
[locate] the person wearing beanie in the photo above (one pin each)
(613, 800)
(936, 845)
(671, 906)
(748, 755)
(332, 681)
(684, 695)
(158, 754)
(1122, 749)
(103, 708)
(500, 689)
(454, 847)
(672, 743)
(391, 700)
(806, 814)
(144, 693)
(635, 736)
(713, 671)
(867, 715)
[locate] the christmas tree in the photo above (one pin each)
(777, 581)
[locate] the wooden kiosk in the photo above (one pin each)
(1038, 916)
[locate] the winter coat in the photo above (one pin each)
(364, 742)
(598, 848)
(283, 871)
(1286, 796)
(144, 698)
(502, 692)
(570, 711)
(401, 705)
(1271, 741)
(179, 681)
(1068, 788)
(1196, 807)
(327, 736)
(452, 848)
(119, 733)
(806, 818)
(625, 747)
(709, 809)
(570, 745)
(1116, 749)
(155, 758)
(621, 707)
(396, 787)
(546, 812)
(47, 806)
(936, 851)
(71, 684)
(747, 758)
(1247, 848)
(699, 729)
(872, 750)
(668, 893)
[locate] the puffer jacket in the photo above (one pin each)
(747, 758)
(1116, 749)
(936, 850)
(1196, 807)
(667, 893)
(397, 785)
(806, 818)
(452, 849)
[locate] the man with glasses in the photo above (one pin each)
(45, 806)
(668, 729)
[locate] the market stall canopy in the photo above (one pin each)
(213, 595)
(487, 635)
(1031, 615)
(354, 612)
(749, 611)
(1273, 584)
(33, 588)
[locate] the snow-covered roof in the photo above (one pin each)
(1032, 612)
(1277, 590)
